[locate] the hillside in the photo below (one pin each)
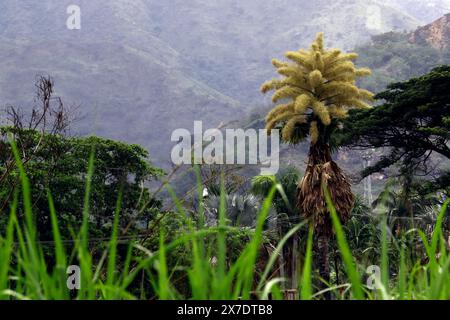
(234, 40)
(129, 84)
(400, 56)
(426, 10)
(436, 34)
(140, 69)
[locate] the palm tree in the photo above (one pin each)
(318, 87)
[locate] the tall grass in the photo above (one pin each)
(25, 273)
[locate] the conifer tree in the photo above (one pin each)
(317, 88)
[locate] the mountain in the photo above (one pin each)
(140, 69)
(396, 57)
(424, 10)
(436, 34)
(129, 84)
(230, 43)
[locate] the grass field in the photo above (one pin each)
(26, 273)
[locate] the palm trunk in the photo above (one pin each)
(311, 202)
(324, 265)
(323, 171)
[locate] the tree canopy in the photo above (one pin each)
(412, 123)
(59, 164)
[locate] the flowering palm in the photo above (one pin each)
(318, 87)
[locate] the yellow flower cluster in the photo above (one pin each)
(319, 85)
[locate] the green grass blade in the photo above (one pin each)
(110, 274)
(344, 249)
(306, 288)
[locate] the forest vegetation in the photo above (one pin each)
(206, 231)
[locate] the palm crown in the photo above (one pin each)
(319, 85)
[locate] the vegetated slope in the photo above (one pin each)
(400, 56)
(129, 84)
(139, 69)
(229, 43)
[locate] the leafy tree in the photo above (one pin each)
(412, 124)
(59, 164)
(319, 86)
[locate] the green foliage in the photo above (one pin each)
(212, 273)
(410, 123)
(392, 58)
(284, 198)
(58, 164)
(242, 210)
(261, 185)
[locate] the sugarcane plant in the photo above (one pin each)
(316, 89)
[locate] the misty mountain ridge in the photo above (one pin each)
(140, 70)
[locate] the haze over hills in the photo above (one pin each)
(234, 40)
(139, 69)
(425, 10)
(130, 84)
